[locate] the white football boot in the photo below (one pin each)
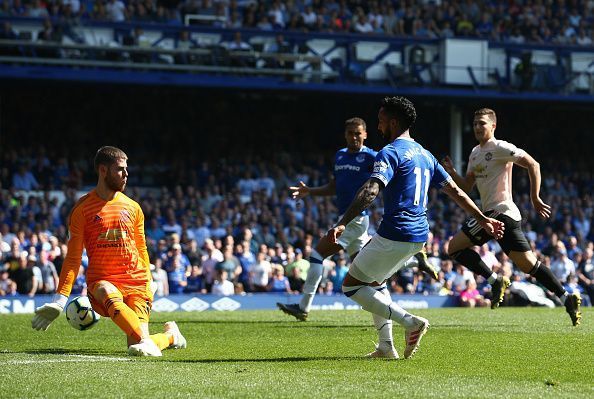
(383, 353)
(146, 347)
(413, 335)
(179, 342)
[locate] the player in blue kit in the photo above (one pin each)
(404, 170)
(352, 167)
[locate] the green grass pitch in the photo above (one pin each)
(467, 353)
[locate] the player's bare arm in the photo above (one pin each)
(493, 226)
(302, 190)
(533, 167)
(365, 197)
(466, 183)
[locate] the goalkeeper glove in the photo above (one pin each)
(44, 315)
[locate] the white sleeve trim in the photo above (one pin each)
(448, 180)
(380, 177)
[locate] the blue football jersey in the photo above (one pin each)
(351, 170)
(407, 171)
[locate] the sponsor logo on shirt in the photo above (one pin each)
(111, 238)
(479, 171)
(347, 167)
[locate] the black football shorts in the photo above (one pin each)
(513, 238)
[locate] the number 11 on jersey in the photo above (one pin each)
(419, 185)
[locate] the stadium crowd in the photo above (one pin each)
(513, 21)
(233, 228)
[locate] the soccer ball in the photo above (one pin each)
(80, 314)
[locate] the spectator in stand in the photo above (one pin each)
(171, 226)
(222, 285)
(238, 44)
(177, 267)
(338, 272)
(296, 281)
(116, 11)
(470, 296)
(24, 276)
(49, 275)
(561, 265)
(195, 283)
(585, 272)
(230, 264)
(260, 273)
(7, 286)
(278, 282)
(23, 179)
(160, 278)
(298, 262)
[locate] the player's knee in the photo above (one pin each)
(102, 289)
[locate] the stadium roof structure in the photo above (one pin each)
(447, 68)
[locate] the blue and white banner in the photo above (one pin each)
(200, 303)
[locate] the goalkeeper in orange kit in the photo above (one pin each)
(111, 228)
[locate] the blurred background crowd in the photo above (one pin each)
(513, 21)
(233, 228)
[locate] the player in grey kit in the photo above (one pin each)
(490, 168)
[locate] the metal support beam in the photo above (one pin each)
(456, 138)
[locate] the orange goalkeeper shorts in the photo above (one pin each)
(137, 297)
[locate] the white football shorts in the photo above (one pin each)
(381, 258)
(355, 236)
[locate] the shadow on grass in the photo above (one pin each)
(88, 352)
(274, 323)
(266, 360)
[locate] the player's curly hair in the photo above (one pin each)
(108, 155)
(401, 109)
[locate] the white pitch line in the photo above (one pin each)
(73, 358)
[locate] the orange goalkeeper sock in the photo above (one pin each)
(162, 340)
(123, 316)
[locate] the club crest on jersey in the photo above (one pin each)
(360, 158)
(380, 167)
(488, 156)
(97, 218)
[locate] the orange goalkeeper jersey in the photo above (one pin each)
(113, 234)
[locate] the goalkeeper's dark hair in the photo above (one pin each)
(401, 109)
(108, 155)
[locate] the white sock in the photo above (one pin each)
(314, 276)
(493, 278)
(377, 303)
(383, 326)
